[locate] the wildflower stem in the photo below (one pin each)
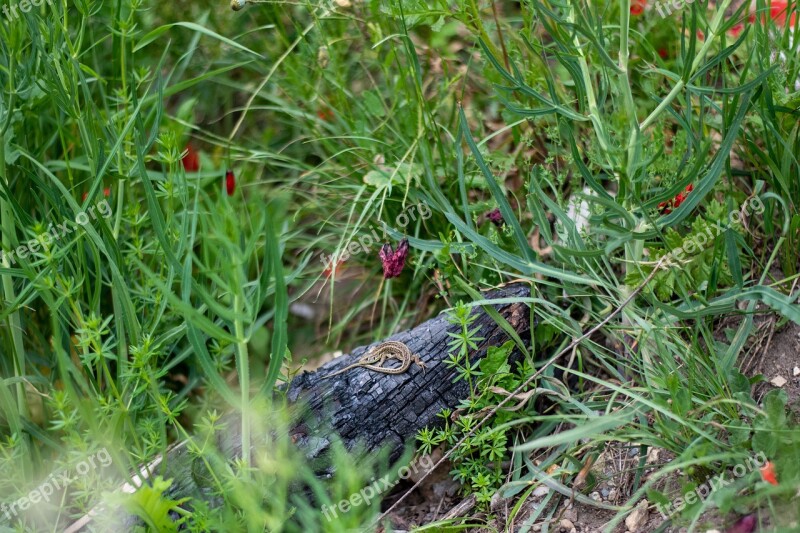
(244, 375)
(625, 89)
(14, 323)
(594, 112)
(478, 24)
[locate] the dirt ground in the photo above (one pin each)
(781, 361)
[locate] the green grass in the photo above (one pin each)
(133, 333)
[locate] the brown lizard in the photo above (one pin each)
(374, 359)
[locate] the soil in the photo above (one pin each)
(781, 361)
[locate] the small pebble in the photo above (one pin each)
(540, 491)
(638, 517)
(595, 496)
(605, 493)
(571, 515)
(796, 371)
(653, 455)
(778, 381)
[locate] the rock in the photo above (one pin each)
(653, 455)
(566, 525)
(540, 491)
(638, 517)
(605, 493)
(595, 496)
(496, 501)
(571, 514)
(778, 381)
(796, 371)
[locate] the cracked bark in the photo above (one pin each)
(387, 410)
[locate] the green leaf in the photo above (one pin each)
(764, 441)
(775, 406)
(682, 401)
(386, 176)
(738, 436)
(706, 184)
(738, 382)
(280, 334)
(156, 33)
(152, 505)
(497, 193)
(496, 357)
(587, 429)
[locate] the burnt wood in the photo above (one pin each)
(375, 409)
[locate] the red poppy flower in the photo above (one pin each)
(768, 473)
(106, 193)
(191, 161)
(663, 53)
(736, 30)
(778, 11)
(746, 524)
(325, 113)
(667, 207)
(230, 182)
(393, 261)
(637, 7)
(332, 266)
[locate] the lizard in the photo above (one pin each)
(374, 359)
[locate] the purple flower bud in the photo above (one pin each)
(746, 524)
(496, 217)
(393, 261)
